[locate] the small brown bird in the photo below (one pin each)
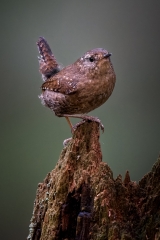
(80, 87)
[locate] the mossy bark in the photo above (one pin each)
(80, 199)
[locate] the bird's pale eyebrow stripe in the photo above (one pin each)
(87, 56)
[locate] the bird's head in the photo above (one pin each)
(96, 61)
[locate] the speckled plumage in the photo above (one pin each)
(48, 65)
(80, 87)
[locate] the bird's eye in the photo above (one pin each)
(91, 59)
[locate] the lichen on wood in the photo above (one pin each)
(79, 199)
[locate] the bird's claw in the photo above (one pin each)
(77, 125)
(95, 119)
(66, 142)
(89, 118)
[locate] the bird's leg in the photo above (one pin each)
(84, 117)
(70, 124)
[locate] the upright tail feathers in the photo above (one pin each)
(48, 65)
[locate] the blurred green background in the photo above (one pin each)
(31, 136)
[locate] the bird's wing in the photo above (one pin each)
(61, 83)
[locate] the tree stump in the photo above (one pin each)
(80, 199)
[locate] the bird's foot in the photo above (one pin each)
(77, 125)
(83, 117)
(89, 118)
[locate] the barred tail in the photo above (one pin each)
(48, 65)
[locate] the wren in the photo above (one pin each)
(78, 88)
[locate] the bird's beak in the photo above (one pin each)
(107, 55)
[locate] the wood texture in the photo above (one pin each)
(79, 199)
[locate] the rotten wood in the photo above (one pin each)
(80, 200)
